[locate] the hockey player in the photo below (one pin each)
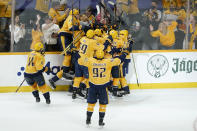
(71, 24)
(98, 36)
(117, 46)
(99, 79)
(88, 46)
(105, 40)
(119, 72)
(33, 72)
(123, 34)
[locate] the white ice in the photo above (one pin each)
(142, 110)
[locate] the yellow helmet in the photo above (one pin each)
(98, 32)
(99, 54)
(39, 46)
(90, 33)
(124, 33)
(75, 12)
(114, 34)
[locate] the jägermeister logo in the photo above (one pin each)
(157, 65)
(184, 65)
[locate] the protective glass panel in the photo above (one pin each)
(152, 24)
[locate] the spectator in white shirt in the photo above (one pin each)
(50, 31)
(19, 33)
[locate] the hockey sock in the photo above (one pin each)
(102, 110)
(123, 82)
(35, 93)
(82, 85)
(90, 110)
(89, 115)
(55, 78)
(46, 95)
(126, 88)
(65, 69)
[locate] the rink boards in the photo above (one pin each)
(152, 70)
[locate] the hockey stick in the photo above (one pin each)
(20, 85)
(67, 48)
(135, 71)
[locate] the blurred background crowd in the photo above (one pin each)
(153, 24)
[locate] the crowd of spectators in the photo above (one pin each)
(162, 26)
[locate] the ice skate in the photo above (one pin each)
(37, 99)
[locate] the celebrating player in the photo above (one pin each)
(99, 79)
(33, 72)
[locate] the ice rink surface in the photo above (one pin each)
(142, 110)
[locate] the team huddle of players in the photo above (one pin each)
(99, 58)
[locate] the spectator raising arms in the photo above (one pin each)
(166, 34)
(54, 14)
(37, 34)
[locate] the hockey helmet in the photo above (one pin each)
(39, 47)
(124, 33)
(90, 34)
(98, 32)
(114, 34)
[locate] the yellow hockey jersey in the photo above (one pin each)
(68, 23)
(36, 37)
(5, 8)
(100, 40)
(35, 62)
(55, 14)
(88, 47)
(117, 43)
(126, 45)
(99, 70)
(169, 38)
